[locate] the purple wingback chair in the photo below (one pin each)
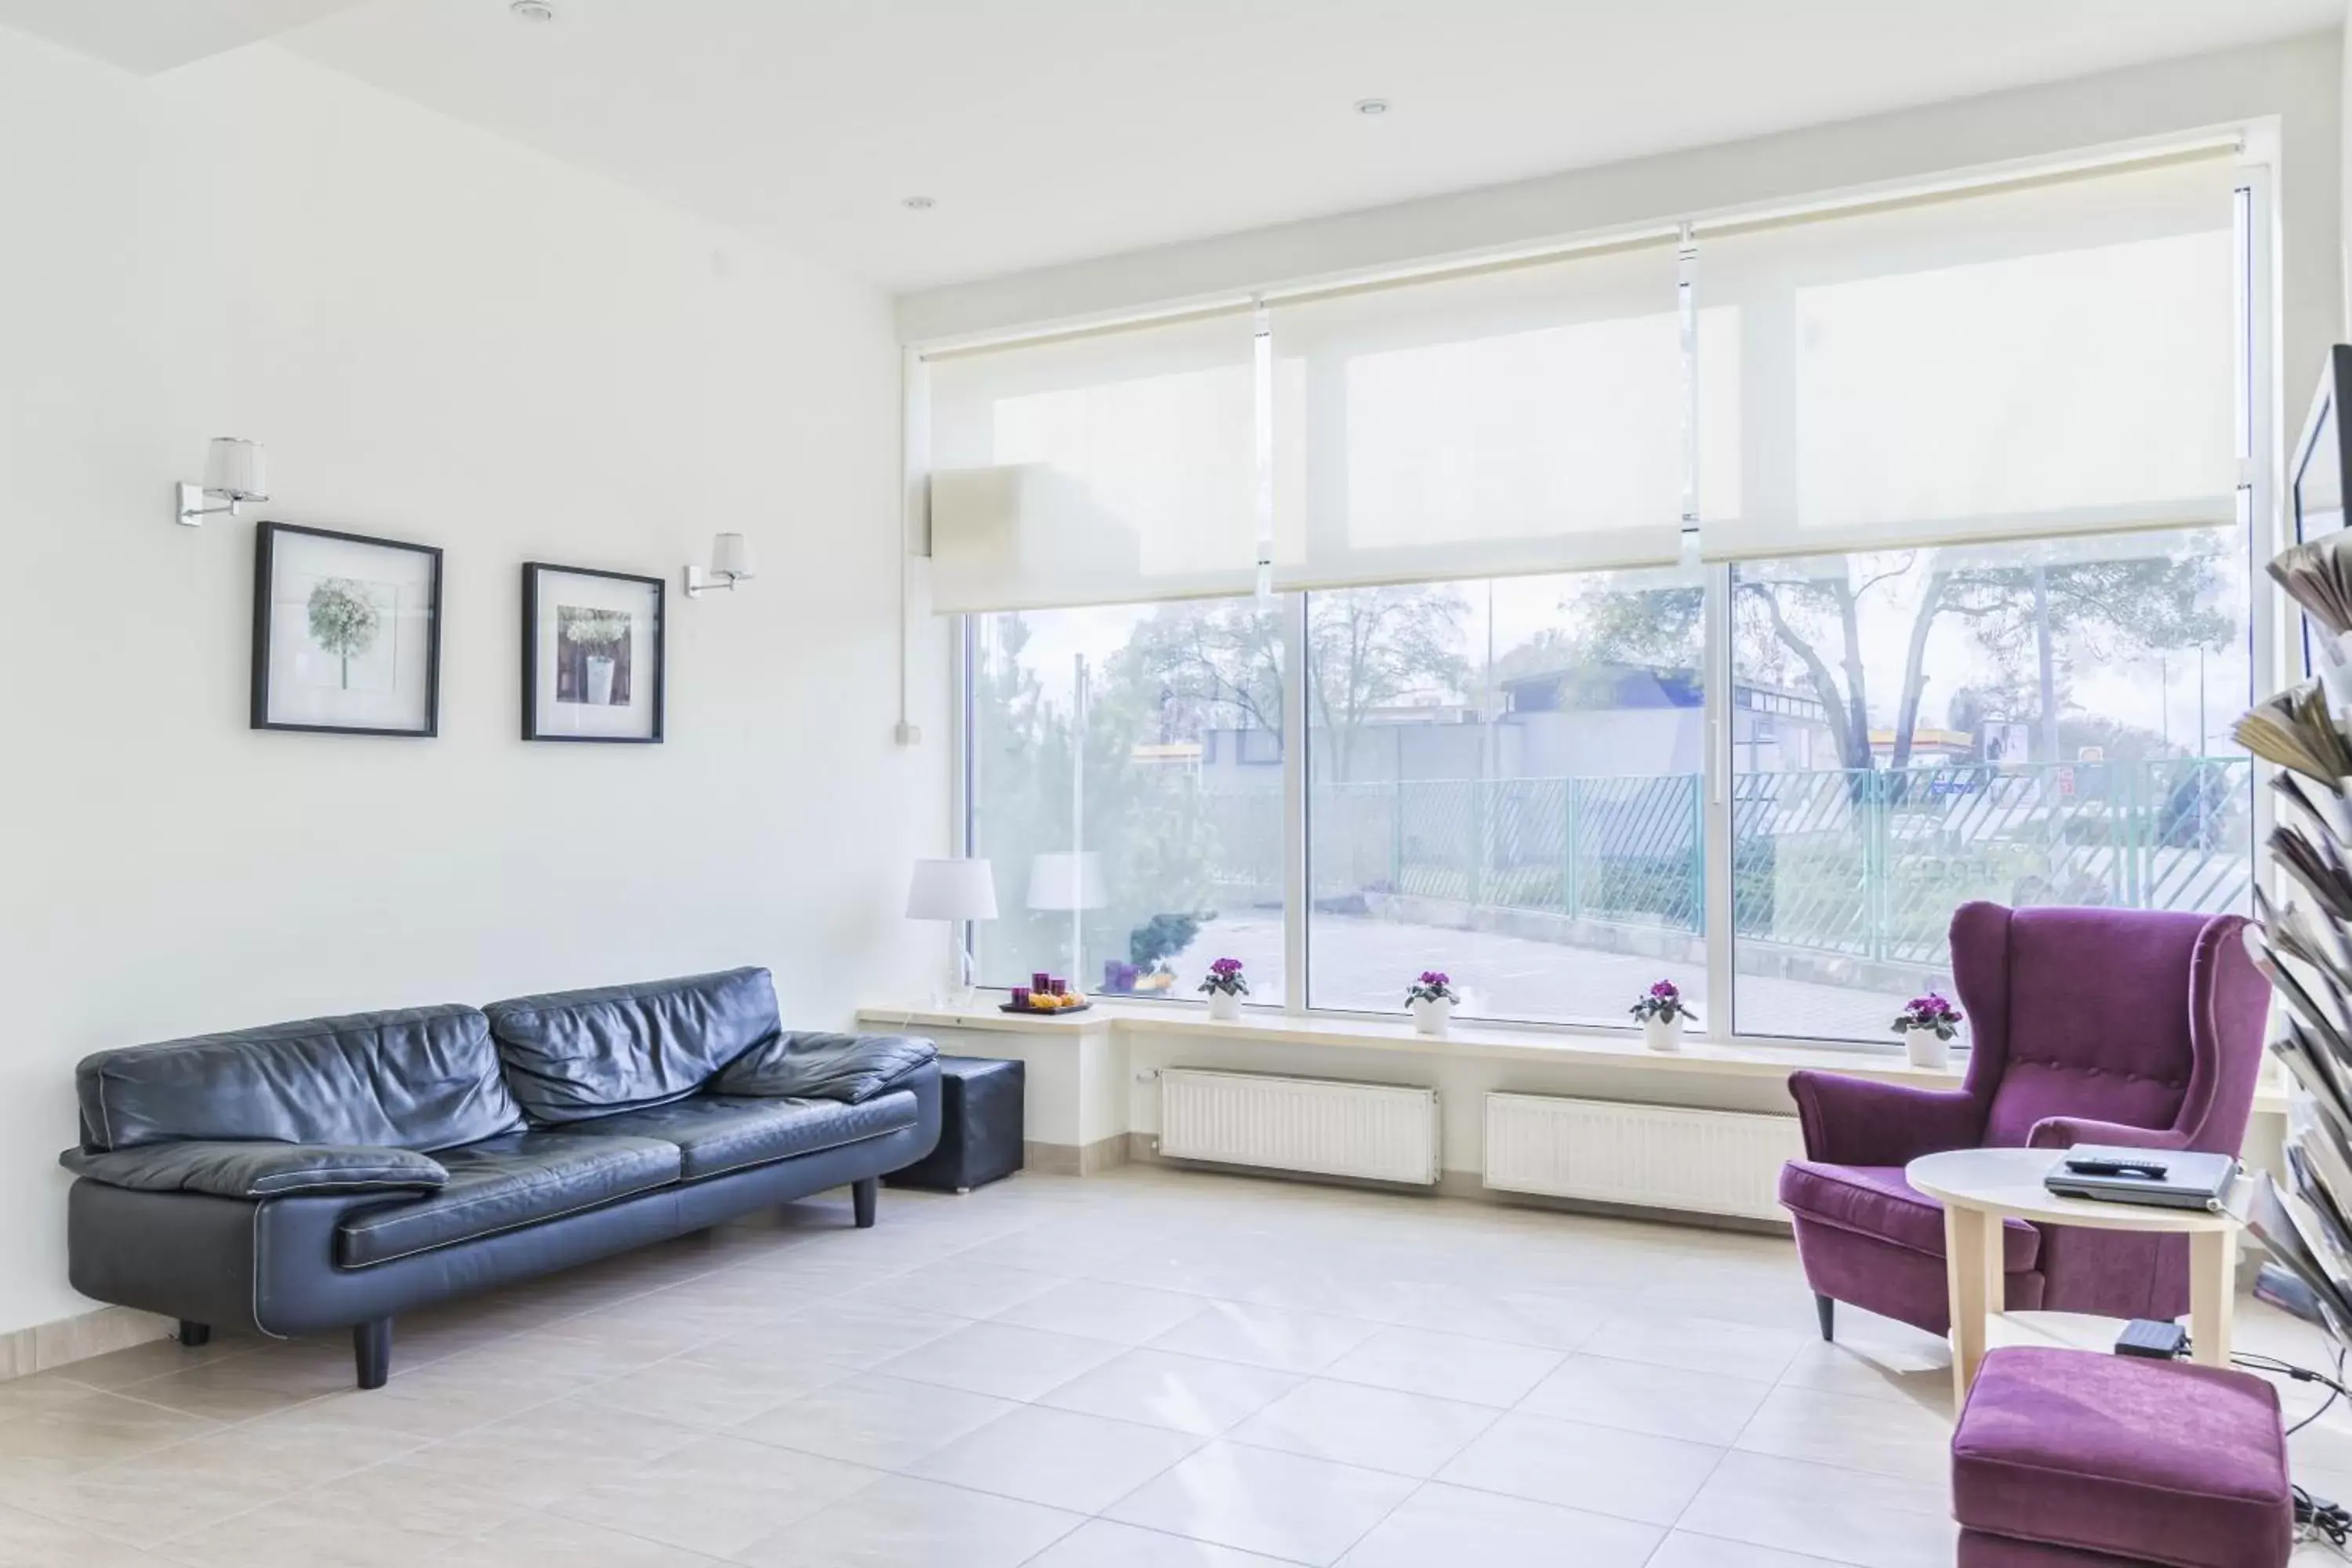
(2128, 1027)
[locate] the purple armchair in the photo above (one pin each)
(2127, 1026)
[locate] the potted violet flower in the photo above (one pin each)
(1226, 988)
(1430, 1000)
(1928, 1025)
(1661, 1012)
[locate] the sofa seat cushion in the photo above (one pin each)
(1875, 1201)
(2145, 1460)
(501, 1184)
(718, 1134)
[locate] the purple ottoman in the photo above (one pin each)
(2066, 1459)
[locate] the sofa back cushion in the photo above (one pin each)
(2098, 1017)
(576, 1055)
(418, 1078)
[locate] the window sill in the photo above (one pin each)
(1566, 1048)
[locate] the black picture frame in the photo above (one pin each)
(266, 556)
(534, 725)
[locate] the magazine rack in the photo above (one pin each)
(2302, 940)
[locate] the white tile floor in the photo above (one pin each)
(1147, 1370)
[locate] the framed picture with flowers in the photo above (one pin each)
(346, 633)
(592, 655)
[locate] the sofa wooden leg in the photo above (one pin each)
(861, 1200)
(372, 1351)
(1828, 1310)
(194, 1334)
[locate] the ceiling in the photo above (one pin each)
(1047, 131)
(151, 36)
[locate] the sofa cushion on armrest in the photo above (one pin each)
(258, 1170)
(851, 1068)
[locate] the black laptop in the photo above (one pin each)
(2159, 1178)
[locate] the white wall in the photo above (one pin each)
(2344, 247)
(444, 338)
(2297, 81)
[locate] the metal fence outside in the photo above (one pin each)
(1862, 862)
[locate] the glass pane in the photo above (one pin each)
(2031, 724)
(1126, 784)
(1504, 784)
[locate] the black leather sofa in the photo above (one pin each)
(332, 1173)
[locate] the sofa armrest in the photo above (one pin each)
(257, 1169)
(1862, 1121)
(815, 1065)
(2065, 1131)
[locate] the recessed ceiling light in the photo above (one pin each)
(532, 10)
(916, 204)
(1371, 106)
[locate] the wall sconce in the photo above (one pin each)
(731, 562)
(234, 471)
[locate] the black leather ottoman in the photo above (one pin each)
(980, 1126)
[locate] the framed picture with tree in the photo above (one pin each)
(592, 655)
(346, 633)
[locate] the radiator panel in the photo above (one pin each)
(1653, 1156)
(1376, 1133)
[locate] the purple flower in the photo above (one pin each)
(1434, 977)
(1665, 988)
(1226, 966)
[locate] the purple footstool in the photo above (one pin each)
(2066, 1459)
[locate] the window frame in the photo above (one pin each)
(2260, 462)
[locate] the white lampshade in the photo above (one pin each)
(730, 556)
(237, 469)
(950, 890)
(1066, 879)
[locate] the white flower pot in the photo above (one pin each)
(1225, 1006)
(1662, 1034)
(1431, 1016)
(600, 682)
(1927, 1048)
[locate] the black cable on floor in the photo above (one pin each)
(2321, 1517)
(2334, 1385)
(2314, 1517)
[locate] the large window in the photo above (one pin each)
(2031, 724)
(1126, 782)
(1725, 604)
(1506, 784)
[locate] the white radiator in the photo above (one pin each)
(1375, 1131)
(1652, 1156)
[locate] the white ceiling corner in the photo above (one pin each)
(152, 35)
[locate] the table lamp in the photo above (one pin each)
(957, 892)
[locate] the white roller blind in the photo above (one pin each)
(1517, 420)
(2043, 358)
(1115, 467)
